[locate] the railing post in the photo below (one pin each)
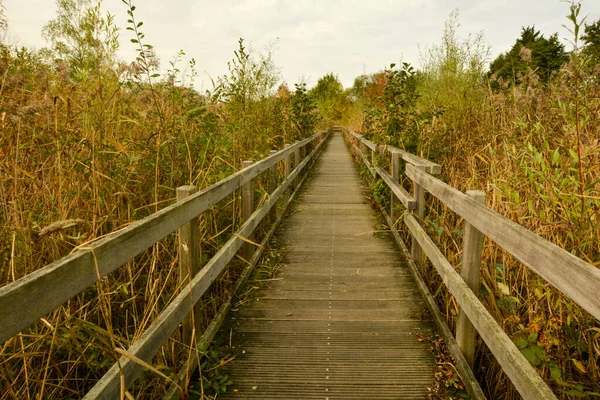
(287, 168)
(272, 188)
(394, 172)
(247, 210)
(419, 195)
(189, 265)
(471, 266)
(296, 163)
(373, 153)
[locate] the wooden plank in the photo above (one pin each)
(108, 387)
(189, 264)
(365, 161)
(337, 339)
(429, 166)
(273, 178)
(247, 210)
(400, 193)
(26, 300)
(470, 272)
(463, 367)
(394, 172)
(525, 378)
(419, 195)
(364, 141)
(192, 363)
(574, 277)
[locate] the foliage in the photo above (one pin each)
(532, 50)
(394, 122)
(82, 37)
(331, 98)
(534, 149)
(91, 145)
(591, 39)
(305, 110)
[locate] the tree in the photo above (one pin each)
(531, 50)
(591, 39)
(82, 35)
(330, 96)
(305, 110)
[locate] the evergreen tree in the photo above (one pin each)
(532, 49)
(591, 38)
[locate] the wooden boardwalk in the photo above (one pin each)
(342, 321)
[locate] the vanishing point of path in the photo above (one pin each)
(342, 319)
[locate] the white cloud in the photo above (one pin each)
(347, 37)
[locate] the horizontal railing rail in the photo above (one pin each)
(30, 298)
(549, 261)
(26, 300)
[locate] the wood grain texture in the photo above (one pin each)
(462, 366)
(470, 272)
(428, 166)
(189, 263)
(108, 387)
(343, 318)
(398, 191)
(247, 210)
(26, 300)
(365, 161)
(574, 277)
(204, 341)
(525, 378)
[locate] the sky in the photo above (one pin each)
(309, 38)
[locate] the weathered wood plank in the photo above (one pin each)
(108, 387)
(419, 195)
(470, 272)
(334, 336)
(204, 341)
(247, 210)
(364, 141)
(462, 366)
(574, 277)
(400, 193)
(189, 263)
(366, 162)
(525, 378)
(26, 300)
(428, 166)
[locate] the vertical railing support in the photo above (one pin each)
(189, 265)
(272, 188)
(296, 163)
(287, 168)
(419, 195)
(373, 155)
(247, 210)
(394, 172)
(470, 271)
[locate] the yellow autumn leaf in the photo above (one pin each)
(579, 366)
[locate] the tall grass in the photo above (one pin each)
(90, 144)
(534, 149)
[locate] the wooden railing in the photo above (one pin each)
(577, 279)
(30, 298)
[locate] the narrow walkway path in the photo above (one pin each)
(343, 320)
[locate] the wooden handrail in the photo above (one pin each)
(546, 259)
(581, 283)
(26, 300)
(428, 166)
(108, 387)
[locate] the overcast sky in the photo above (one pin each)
(347, 37)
